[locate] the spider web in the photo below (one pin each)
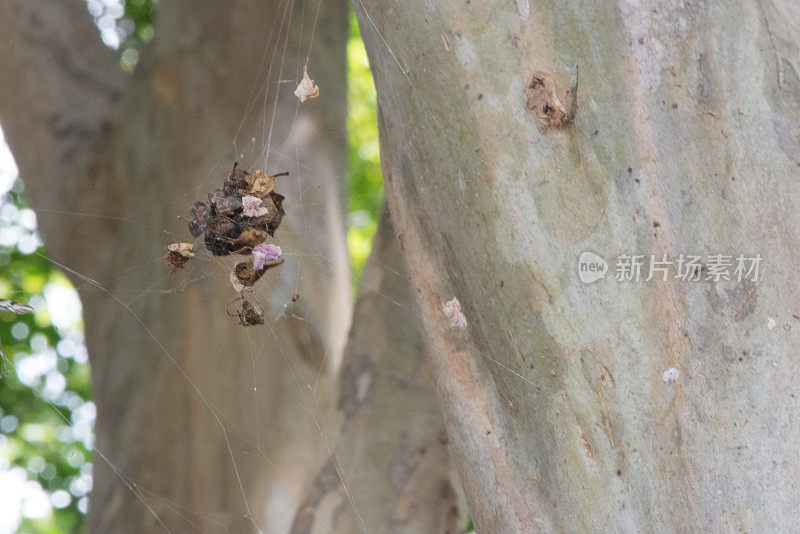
(256, 147)
(252, 151)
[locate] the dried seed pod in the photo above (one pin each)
(245, 273)
(177, 255)
(249, 239)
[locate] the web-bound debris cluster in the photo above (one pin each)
(238, 218)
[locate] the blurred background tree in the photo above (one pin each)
(46, 413)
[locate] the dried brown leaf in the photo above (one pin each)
(250, 314)
(250, 239)
(245, 273)
(259, 184)
(177, 255)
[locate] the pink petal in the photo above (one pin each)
(252, 206)
(264, 253)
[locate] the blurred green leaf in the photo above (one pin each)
(365, 181)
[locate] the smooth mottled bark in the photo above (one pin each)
(685, 142)
(389, 470)
(109, 161)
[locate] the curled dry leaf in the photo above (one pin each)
(177, 255)
(452, 311)
(250, 238)
(543, 100)
(245, 274)
(306, 89)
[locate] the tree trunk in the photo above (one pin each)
(390, 470)
(685, 141)
(206, 426)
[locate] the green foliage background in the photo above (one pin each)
(34, 432)
(365, 180)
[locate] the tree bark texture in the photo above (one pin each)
(389, 470)
(685, 141)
